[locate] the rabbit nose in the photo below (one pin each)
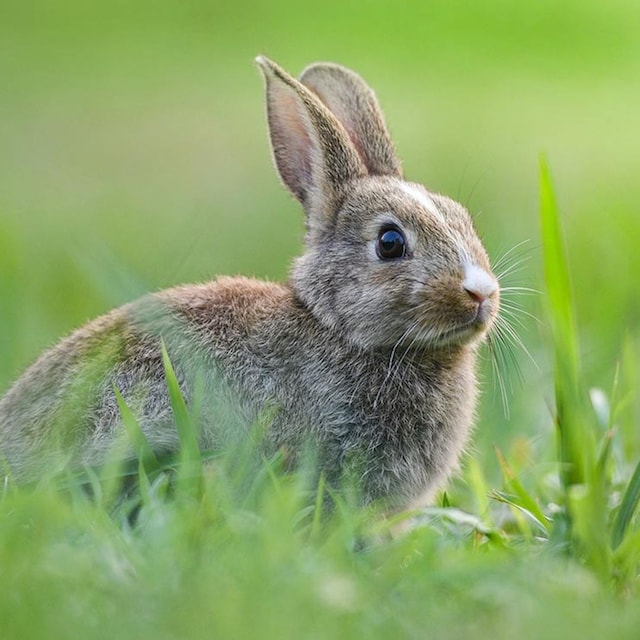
(478, 283)
(475, 296)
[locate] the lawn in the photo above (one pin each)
(134, 156)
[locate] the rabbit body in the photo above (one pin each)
(368, 352)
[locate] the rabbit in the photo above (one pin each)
(368, 351)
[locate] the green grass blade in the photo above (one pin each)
(556, 275)
(190, 469)
(559, 296)
(583, 481)
(139, 442)
(479, 488)
(541, 523)
(627, 508)
(525, 502)
(591, 539)
(184, 424)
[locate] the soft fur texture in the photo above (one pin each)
(370, 360)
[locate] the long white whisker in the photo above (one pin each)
(505, 358)
(506, 255)
(520, 290)
(510, 334)
(498, 375)
(390, 366)
(399, 365)
(510, 316)
(513, 312)
(511, 269)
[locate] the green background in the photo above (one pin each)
(134, 154)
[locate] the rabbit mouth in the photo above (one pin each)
(463, 333)
(465, 327)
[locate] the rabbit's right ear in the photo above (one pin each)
(354, 104)
(312, 150)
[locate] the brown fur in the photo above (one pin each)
(369, 360)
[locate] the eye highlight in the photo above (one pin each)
(391, 243)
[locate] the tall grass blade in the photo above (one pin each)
(139, 442)
(584, 483)
(627, 508)
(190, 468)
(563, 325)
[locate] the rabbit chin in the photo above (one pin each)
(458, 336)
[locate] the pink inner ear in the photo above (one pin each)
(292, 144)
(301, 144)
(355, 141)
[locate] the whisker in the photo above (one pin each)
(508, 332)
(513, 311)
(390, 366)
(510, 250)
(498, 377)
(506, 360)
(416, 338)
(509, 255)
(512, 269)
(507, 268)
(520, 290)
(510, 316)
(505, 340)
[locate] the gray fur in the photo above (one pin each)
(371, 361)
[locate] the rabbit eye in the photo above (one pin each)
(391, 244)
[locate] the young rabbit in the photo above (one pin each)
(367, 352)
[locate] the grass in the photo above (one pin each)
(194, 551)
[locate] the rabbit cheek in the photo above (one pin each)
(446, 313)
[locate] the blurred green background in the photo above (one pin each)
(134, 153)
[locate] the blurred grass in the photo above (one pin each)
(134, 155)
(205, 570)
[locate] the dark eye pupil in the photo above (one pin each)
(391, 244)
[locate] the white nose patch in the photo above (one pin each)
(477, 281)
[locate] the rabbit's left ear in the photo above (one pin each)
(354, 104)
(313, 153)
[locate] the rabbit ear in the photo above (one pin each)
(354, 104)
(312, 151)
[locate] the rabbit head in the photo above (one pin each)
(386, 261)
